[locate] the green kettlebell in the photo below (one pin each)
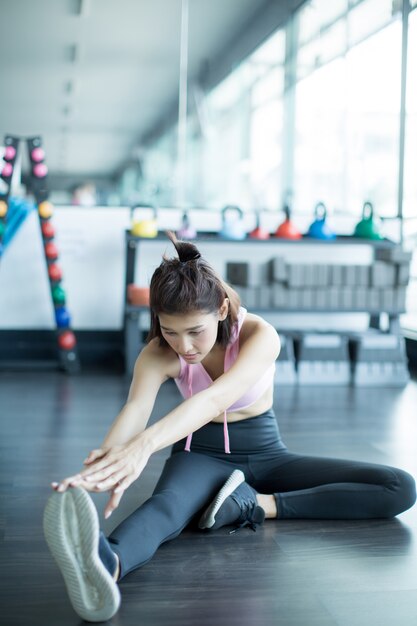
(368, 228)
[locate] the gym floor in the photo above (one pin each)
(295, 573)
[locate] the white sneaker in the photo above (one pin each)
(71, 530)
(208, 519)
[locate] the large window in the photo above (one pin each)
(266, 125)
(347, 107)
(410, 178)
(409, 321)
(242, 145)
(314, 110)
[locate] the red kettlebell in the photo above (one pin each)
(287, 230)
(259, 232)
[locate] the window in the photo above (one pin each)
(410, 179)
(347, 118)
(266, 120)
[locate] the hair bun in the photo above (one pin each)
(186, 254)
(186, 250)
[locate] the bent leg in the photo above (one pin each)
(307, 487)
(187, 482)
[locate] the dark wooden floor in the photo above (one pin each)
(289, 573)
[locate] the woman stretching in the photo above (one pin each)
(235, 470)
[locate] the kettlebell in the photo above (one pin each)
(147, 227)
(186, 231)
(368, 228)
(259, 232)
(287, 229)
(232, 228)
(319, 228)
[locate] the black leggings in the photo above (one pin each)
(304, 487)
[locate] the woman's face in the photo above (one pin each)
(192, 335)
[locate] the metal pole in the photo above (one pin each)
(403, 112)
(182, 109)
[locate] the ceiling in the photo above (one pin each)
(95, 78)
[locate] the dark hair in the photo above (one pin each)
(187, 284)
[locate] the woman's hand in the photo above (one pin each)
(113, 469)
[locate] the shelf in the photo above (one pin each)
(133, 314)
(208, 237)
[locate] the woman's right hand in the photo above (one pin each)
(110, 469)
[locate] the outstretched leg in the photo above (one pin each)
(325, 488)
(295, 486)
(187, 482)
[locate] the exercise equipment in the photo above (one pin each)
(40, 170)
(7, 170)
(259, 232)
(287, 230)
(319, 229)
(232, 228)
(138, 296)
(58, 295)
(14, 210)
(48, 231)
(147, 228)
(45, 209)
(66, 340)
(380, 360)
(285, 370)
(51, 251)
(62, 317)
(186, 231)
(242, 274)
(54, 272)
(37, 155)
(9, 153)
(368, 227)
(323, 359)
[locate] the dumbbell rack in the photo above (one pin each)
(66, 341)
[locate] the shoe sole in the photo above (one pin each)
(71, 529)
(208, 518)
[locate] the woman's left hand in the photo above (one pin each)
(114, 471)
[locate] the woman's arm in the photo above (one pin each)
(153, 366)
(259, 348)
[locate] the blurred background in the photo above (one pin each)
(194, 105)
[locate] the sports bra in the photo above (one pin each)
(193, 377)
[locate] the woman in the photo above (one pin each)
(223, 360)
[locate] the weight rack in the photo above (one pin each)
(66, 341)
